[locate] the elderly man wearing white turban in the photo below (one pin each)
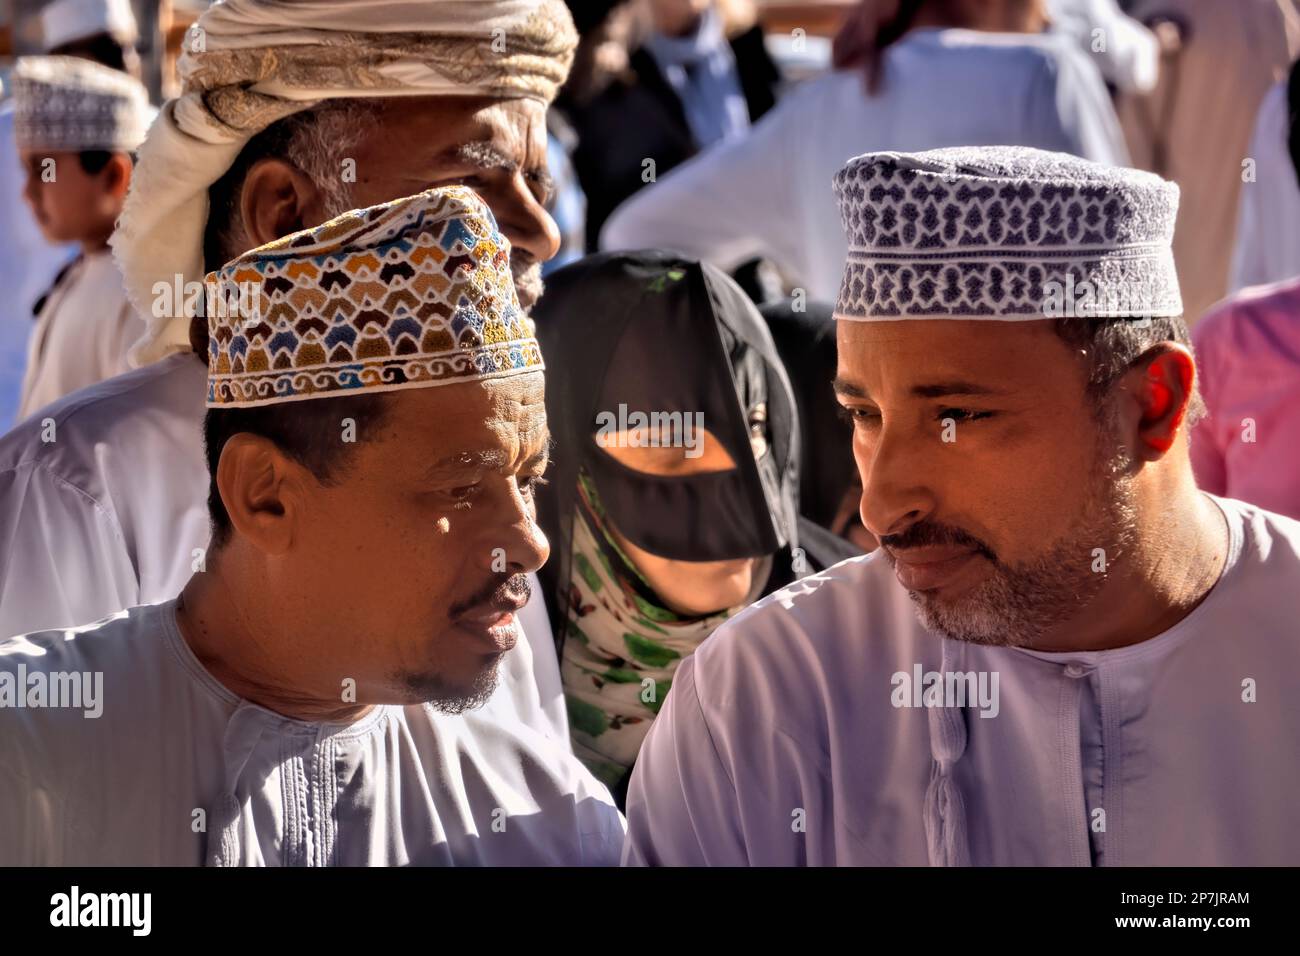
(291, 111)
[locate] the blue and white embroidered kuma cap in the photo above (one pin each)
(1004, 232)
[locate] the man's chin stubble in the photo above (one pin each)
(433, 689)
(1014, 607)
(1002, 611)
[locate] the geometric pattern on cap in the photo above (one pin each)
(984, 232)
(67, 104)
(412, 293)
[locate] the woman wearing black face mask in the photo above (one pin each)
(672, 501)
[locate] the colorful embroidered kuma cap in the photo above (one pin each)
(408, 294)
(1004, 232)
(67, 104)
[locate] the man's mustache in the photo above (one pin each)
(501, 589)
(925, 533)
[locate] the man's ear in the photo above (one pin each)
(277, 198)
(263, 491)
(117, 176)
(1160, 383)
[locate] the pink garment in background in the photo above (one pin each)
(1248, 354)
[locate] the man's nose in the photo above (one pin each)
(520, 544)
(895, 491)
(527, 224)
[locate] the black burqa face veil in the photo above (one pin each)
(653, 333)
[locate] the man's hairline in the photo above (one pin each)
(385, 399)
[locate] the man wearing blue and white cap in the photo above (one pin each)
(328, 689)
(1063, 652)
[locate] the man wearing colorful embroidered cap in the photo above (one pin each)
(324, 691)
(1063, 652)
(290, 112)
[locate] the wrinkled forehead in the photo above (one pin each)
(506, 415)
(513, 128)
(905, 355)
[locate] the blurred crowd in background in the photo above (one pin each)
(705, 130)
(711, 127)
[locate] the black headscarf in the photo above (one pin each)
(652, 331)
(805, 340)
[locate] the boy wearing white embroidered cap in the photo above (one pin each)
(76, 125)
(1026, 471)
(103, 31)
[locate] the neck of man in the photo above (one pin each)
(238, 640)
(1178, 552)
(96, 243)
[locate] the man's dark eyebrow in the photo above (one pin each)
(846, 388)
(945, 389)
(462, 462)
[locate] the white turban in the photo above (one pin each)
(248, 63)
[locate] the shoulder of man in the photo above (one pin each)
(748, 727)
(1255, 603)
(77, 735)
(1272, 540)
(68, 438)
(572, 818)
(849, 625)
(56, 685)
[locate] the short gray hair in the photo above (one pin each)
(1113, 346)
(316, 141)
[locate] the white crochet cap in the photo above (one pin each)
(1004, 232)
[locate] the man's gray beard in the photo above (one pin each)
(528, 282)
(1017, 604)
(335, 196)
(432, 689)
